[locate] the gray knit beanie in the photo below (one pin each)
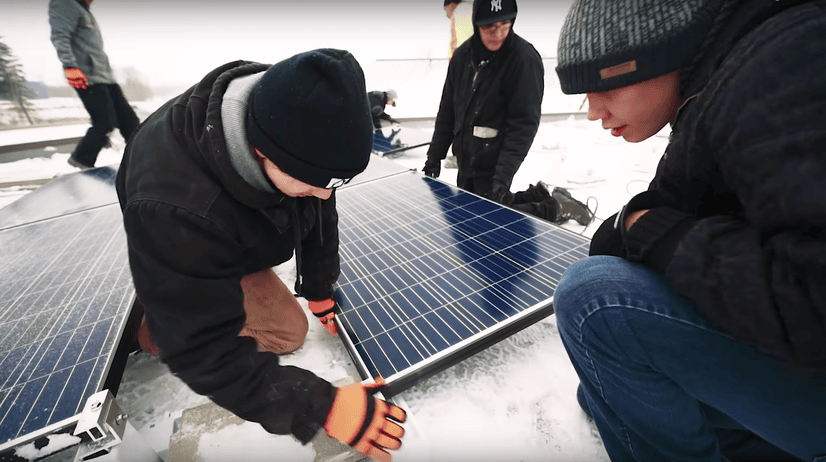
(607, 44)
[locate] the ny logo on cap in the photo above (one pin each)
(337, 182)
(495, 5)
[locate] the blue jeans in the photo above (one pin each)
(662, 384)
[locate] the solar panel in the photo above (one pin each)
(377, 168)
(65, 194)
(65, 295)
(431, 274)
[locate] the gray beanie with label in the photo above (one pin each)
(607, 44)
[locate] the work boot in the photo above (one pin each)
(570, 208)
(77, 164)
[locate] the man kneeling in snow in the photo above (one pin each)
(219, 185)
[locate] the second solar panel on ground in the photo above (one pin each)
(432, 274)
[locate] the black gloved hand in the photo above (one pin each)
(432, 167)
(607, 240)
(500, 193)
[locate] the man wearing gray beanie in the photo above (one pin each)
(224, 182)
(698, 324)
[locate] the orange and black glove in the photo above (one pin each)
(324, 310)
(367, 424)
(76, 78)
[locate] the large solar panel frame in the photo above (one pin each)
(432, 274)
(66, 299)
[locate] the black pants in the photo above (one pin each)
(108, 109)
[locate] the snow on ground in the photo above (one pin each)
(512, 401)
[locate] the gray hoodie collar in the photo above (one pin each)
(233, 116)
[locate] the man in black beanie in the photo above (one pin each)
(490, 110)
(222, 183)
(698, 325)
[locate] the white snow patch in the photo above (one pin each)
(254, 443)
(57, 442)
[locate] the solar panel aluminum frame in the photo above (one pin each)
(467, 347)
(451, 356)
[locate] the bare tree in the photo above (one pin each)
(13, 82)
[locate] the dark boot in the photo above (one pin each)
(547, 209)
(570, 208)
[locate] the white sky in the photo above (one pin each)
(176, 42)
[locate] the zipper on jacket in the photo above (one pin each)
(476, 73)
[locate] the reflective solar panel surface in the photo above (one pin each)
(65, 293)
(70, 193)
(432, 274)
(376, 169)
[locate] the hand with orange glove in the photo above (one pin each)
(76, 78)
(324, 310)
(367, 424)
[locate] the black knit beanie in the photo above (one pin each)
(310, 116)
(490, 11)
(607, 44)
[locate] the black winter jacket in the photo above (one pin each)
(503, 92)
(737, 208)
(195, 227)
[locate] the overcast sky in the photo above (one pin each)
(176, 42)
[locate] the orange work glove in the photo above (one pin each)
(367, 424)
(324, 311)
(76, 78)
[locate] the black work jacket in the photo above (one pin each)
(195, 227)
(503, 93)
(378, 101)
(737, 208)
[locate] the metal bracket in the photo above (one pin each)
(101, 426)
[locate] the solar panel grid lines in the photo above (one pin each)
(61, 315)
(429, 272)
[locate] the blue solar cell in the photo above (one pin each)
(48, 397)
(444, 330)
(377, 358)
(430, 335)
(22, 406)
(454, 321)
(411, 353)
(68, 404)
(430, 271)
(65, 296)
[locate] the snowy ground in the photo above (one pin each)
(513, 401)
